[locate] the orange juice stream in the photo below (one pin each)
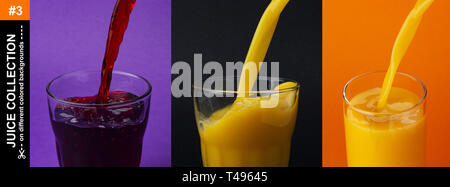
(385, 133)
(244, 133)
(401, 44)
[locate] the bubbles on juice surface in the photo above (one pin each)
(101, 117)
(400, 105)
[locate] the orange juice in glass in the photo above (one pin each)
(253, 131)
(392, 137)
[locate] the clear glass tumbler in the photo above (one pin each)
(392, 137)
(98, 135)
(250, 131)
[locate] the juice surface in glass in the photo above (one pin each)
(245, 134)
(393, 137)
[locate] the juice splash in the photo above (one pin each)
(402, 43)
(117, 28)
(393, 137)
(244, 133)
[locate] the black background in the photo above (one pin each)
(222, 31)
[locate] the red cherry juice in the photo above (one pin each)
(100, 136)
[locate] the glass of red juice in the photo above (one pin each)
(88, 134)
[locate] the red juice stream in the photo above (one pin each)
(117, 28)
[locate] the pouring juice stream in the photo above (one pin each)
(402, 43)
(117, 29)
(260, 44)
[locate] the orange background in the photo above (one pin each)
(358, 36)
(6, 4)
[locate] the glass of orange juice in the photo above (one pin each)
(392, 137)
(251, 131)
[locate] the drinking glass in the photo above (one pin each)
(250, 131)
(98, 135)
(386, 139)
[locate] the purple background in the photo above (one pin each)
(68, 35)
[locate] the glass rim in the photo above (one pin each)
(280, 79)
(146, 93)
(384, 113)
